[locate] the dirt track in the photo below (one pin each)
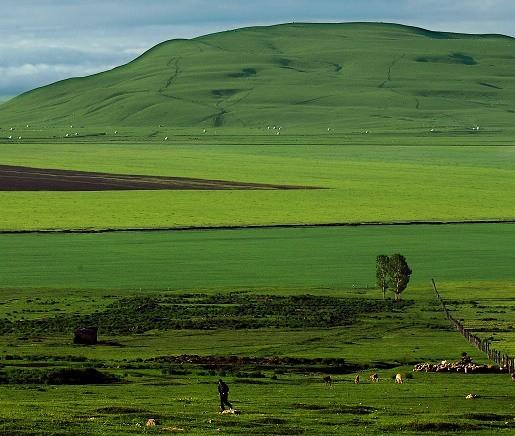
(17, 178)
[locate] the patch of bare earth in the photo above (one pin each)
(18, 178)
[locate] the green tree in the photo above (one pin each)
(399, 274)
(382, 270)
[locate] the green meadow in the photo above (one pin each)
(399, 128)
(331, 257)
(361, 183)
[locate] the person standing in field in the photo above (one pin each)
(223, 391)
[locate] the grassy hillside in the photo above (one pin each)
(358, 75)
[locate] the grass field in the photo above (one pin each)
(305, 258)
(429, 403)
(364, 183)
(385, 129)
(53, 276)
(274, 400)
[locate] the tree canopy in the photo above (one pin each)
(399, 274)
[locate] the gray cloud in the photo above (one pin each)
(42, 41)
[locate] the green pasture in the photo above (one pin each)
(392, 338)
(50, 275)
(292, 404)
(327, 257)
(384, 129)
(273, 401)
(371, 183)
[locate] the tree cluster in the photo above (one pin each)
(392, 272)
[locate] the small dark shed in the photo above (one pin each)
(86, 335)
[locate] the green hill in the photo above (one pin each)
(356, 75)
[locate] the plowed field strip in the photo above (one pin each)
(18, 178)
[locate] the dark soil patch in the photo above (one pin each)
(435, 427)
(488, 417)
(116, 410)
(17, 178)
(270, 420)
(337, 409)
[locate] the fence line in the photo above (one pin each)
(503, 360)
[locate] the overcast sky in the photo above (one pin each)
(42, 41)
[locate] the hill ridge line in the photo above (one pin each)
(256, 227)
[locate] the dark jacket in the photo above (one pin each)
(223, 389)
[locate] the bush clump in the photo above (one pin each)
(58, 376)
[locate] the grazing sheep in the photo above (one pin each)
(10, 137)
(356, 380)
(204, 131)
(471, 396)
(116, 132)
(328, 380)
(11, 129)
(67, 135)
(374, 378)
(19, 137)
(151, 423)
(398, 379)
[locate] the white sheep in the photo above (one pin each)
(398, 379)
(166, 138)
